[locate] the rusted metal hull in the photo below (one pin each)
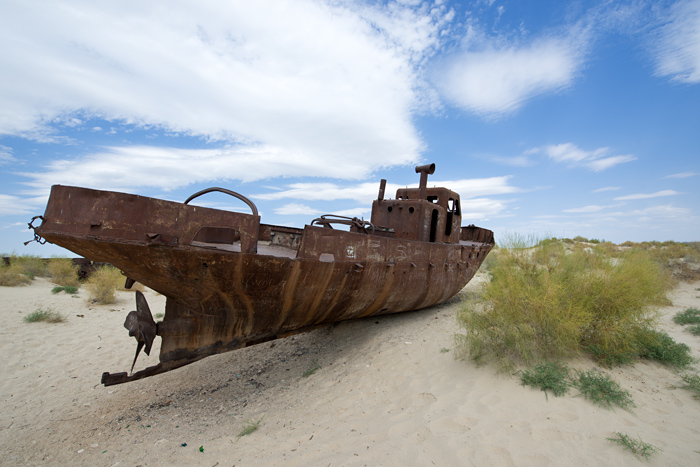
(231, 282)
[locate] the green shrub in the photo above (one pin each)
(689, 316)
(659, 346)
(103, 284)
(69, 289)
(692, 384)
(13, 276)
(63, 271)
(30, 265)
(638, 447)
(47, 315)
(694, 329)
(313, 368)
(547, 376)
(548, 303)
(250, 427)
(601, 390)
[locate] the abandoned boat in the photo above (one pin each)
(231, 281)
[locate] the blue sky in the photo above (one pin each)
(557, 118)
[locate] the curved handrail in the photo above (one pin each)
(250, 204)
(326, 222)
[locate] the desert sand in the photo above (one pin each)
(387, 393)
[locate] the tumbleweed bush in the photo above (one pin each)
(552, 301)
(103, 284)
(63, 271)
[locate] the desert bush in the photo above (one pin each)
(46, 315)
(249, 427)
(13, 276)
(638, 447)
(548, 303)
(547, 376)
(103, 284)
(692, 383)
(600, 389)
(22, 270)
(687, 316)
(659, 346)
(63, 271)
(31, 266)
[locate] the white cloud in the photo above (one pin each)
(677, 46)
(296, 209)
(365, 192)
(10, 205)
(568, 153)
(311, 77)
(129, 167)
(515, 161)
(647, 195)
(6, 155)
(495, 79)
(682, 175)
(607, 188)
(591, 208)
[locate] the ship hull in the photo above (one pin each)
(231, 282)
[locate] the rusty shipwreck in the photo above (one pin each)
(231, 281)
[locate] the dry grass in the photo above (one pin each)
(46, 315)
(103, 284)
(63, 271)
(21, 271)
(551, 301)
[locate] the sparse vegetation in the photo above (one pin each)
(659, 346)
(103, 283)
(551, 301)
(547, 376)
(20, 270)
(688, 316)
(444, 350)
(313, 368)
(249, 427)
(69, 289)
(600, 389)
(47, 315)
(692, 383)
(63, 271)
(637, 446)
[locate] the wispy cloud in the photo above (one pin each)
(13, 205)
(682, 175)
(172, 168)
(589, 209)
(570, 154)
(298, 209)
(677, 45)
(493, 78)
(6, 155)
(515, 161)
(607, 188)
(304, 77)
(657, 194)
(365, 192)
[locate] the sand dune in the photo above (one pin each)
(385, 394)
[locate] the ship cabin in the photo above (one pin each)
(422, 214)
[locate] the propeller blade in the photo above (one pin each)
(141, 325)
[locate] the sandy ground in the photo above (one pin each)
(387, 393)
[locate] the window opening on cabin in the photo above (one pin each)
(452, 211)
(433, 225)
(433, 199)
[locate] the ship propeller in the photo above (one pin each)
(140, 325)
